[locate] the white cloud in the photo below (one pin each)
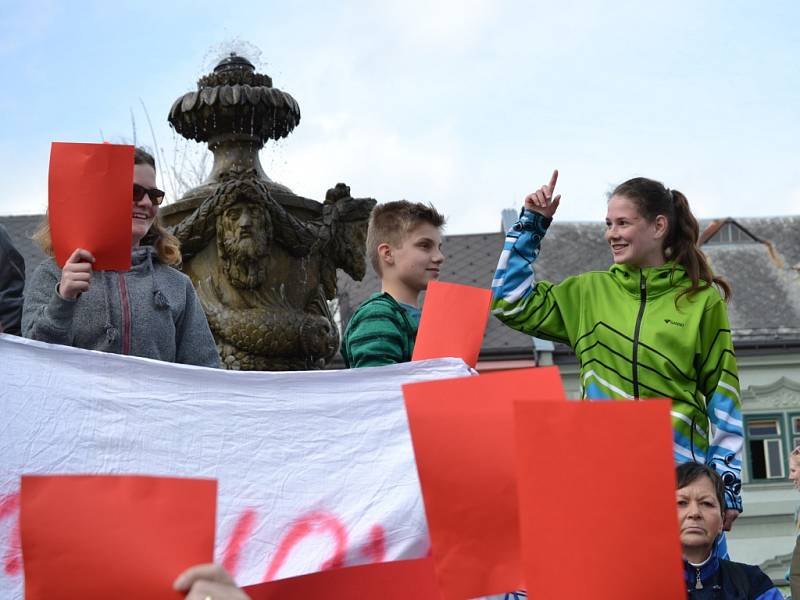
(24, 194)
(375, 161)
(450, 25)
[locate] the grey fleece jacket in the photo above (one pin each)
(151, 311)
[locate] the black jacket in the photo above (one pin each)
(728, 580)
(12, 282)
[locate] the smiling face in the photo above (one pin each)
(144, 211)
(634, 240)
(419, 259)
(699, 516)
(794, 470)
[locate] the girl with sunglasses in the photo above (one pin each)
(151, 311)
(654, 325)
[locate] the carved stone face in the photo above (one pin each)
(244, 232)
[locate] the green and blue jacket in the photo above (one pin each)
(632, 341)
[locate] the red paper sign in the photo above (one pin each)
(453, 322)
(597, 500)
(98, 537)
(89, 207)
(462, 430)
(397, 580)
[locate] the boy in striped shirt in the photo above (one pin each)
(404, 245)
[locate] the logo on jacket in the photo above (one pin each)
(671, 322)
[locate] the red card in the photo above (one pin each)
(597, 499)
(397, 580)
(90, 191)
(453, 322)
(98, 537)
(462, 430)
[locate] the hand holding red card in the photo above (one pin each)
(90, 202)
(99, 537)
(462, 430)
(453, 322)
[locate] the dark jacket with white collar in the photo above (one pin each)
(718, 579)
(12, 282)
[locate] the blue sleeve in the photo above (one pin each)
(719, 383)
(518, 300)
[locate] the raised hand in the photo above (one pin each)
(542, 200)
(76, 275)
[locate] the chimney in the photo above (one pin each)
(508, 217)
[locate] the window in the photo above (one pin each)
(795, 432)
(732, 233)
(765, 445)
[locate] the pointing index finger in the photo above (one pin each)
(553, 179)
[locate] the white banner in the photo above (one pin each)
(315, 469)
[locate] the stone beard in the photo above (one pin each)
(244, 231)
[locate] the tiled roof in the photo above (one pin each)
(765, 309)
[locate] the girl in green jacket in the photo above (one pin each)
(653, 326)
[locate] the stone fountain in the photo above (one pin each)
(263, 259)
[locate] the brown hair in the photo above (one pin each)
(691, 471)
(391, 222)
(652, 199)
(166, 245)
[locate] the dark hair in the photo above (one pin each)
(166, 245)
(652, 199)
(143, 157)
(689, 472)
(391, 222)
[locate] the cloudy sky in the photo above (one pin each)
(467, 104)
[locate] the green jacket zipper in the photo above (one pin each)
(642, 303)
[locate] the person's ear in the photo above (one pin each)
(385, 254)
(660, 226)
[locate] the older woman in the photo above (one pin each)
(701, 500)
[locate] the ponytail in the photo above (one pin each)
(681, 246)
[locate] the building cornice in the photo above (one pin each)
(779, 395)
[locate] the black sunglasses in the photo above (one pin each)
(156, 196)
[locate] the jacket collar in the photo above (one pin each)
(658, 280)
(141, 256)
(707, 570)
